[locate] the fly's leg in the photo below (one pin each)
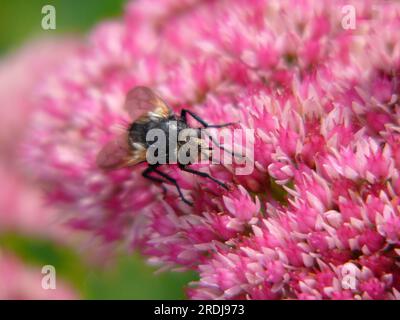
(202, 174)
(167, 178)
(185, 112)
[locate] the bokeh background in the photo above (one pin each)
(128, 277)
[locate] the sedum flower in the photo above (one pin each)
(317, 218)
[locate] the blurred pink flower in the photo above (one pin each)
(324, 104)
(19, 282)
(20, 72)
(22, 207)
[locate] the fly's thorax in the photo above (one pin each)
(160, 137)
(139, 132)
(171, 129)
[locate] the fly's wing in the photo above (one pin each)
(142, 102)
(118, 154)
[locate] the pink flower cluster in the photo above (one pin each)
(324, 103)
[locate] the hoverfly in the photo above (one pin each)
(148, 111)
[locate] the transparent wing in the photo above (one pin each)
(142, 100)
(118, 154)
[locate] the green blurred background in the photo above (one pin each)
(129, 277)
(21, 19)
